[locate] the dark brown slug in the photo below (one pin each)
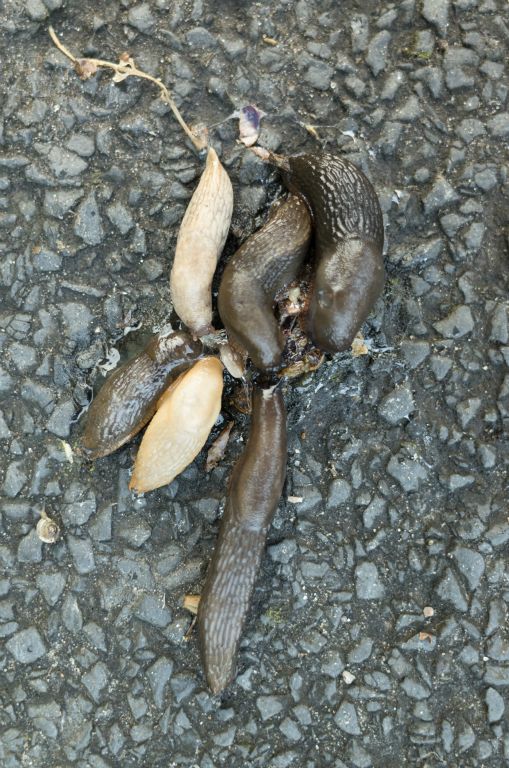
(266, 262)
(349, 236)
(254, 492)
(127, 400)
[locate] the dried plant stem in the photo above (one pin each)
(129, 69)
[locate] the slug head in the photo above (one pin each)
(348, 282)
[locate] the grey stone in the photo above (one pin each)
(471, 564)
(332, 664)
(450, 590)
(340, 491)
(498, 126)
(71, 614)
(368, 584)
(15, 479)
(290, 730)
(87, 225)
(470, 129)
(81, 144)
(495, 705)
(415, 352)
(77, 319)
(468, 410)
(436, 12)
(96, 635)
(441, 195)
(417, 255)
(64, 164)
(141, 18)
(283, 552)
(158, 676)
(26, 646)
(96, 680)
(121, 217)
(409, 111)
(36, 10)
(389, 138)
(474, 235)
(152, 610)
(498, 647)
(456, 79)
(376, 56)
(486, 179)
(82, 554)
(496, 675)
(457, 324)
(79, 504)
(58, 202)
(414, 689)
(201, 38)
(269, 706)
(397, 405)
(408, 472)
(346, 718)
(47, 261)
(23, 356)
(319, 75)
(135, 531)
(361, 652)
(30, 548)
(359, 26)
(375, 510)
(51, 586)
(498, 534)
(59, 422)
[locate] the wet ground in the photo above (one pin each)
(379, 632)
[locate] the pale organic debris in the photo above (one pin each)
(218, 448)
(180, 427)
(311, 130)
(191, 603)
(428, 611)
(200, 241)
(69, 455)
(359, 346)
(295, 499)
(47, 530)
(249, 124)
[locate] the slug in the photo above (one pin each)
(267, 261)
(254, 492)
(127, 400)
(349, 236)
(200, 241)
(185, 415)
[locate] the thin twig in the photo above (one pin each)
(123, 70)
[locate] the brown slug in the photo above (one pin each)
(200, 241)
(185, 414)
(348, 237)
(267, 261)
(127, 400)
(253, 495)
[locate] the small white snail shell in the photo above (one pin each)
(47, 530)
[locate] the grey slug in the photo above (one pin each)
(127, 400)
(267, 261)
(254, 492)
(349, 236)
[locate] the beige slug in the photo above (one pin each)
(185, 415)
(200, 241)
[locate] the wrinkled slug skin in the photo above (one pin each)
(254, 492)
(265, 263)
(200, 241)
(127, 400)
(349, 239)
(180, 427)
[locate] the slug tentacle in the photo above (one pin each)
(185, 415)
(201, 238)
(266, 262)
(127, 400)
(254, 492)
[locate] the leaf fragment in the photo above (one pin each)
(218, 448)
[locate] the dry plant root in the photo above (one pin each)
(125, 68)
